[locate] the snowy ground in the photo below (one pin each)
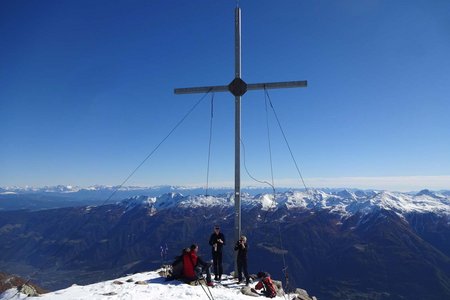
(155, 287)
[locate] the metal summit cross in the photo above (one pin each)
(238, 88)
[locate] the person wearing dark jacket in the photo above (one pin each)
(217, 240)
(194, 266)
(242, 247)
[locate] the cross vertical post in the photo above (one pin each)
(237, 132)
(238, 88)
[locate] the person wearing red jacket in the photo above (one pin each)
(194, 266)
(266, 284)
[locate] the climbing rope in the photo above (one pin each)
(269, 142)
(286, 140)
(248, 172)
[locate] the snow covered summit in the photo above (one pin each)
(140, 286)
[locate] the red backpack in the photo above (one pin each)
(269, 287)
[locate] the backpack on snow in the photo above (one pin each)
(177, 268)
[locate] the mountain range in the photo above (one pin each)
(38, 198)
(337, 244)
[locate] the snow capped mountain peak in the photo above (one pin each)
(167, 200)
(403, 203)
(137, 201)
(346, 194)
(266, 201)
(429, 193)
(206, 201)
(62, 189)
(171, 200)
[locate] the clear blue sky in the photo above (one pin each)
(87, 92)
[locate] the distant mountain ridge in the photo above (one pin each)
(105, 188)
(47, 197)
(344, 202)
(161, 189)
(66, 189)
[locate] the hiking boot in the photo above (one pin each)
(210, 284)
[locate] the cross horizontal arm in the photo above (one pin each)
(276, 85)
(203, 89)
(241, 86)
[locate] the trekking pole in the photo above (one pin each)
(286, 277)
(165, 253)
(203, 288)
(209, 290)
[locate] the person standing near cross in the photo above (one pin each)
(217, 240)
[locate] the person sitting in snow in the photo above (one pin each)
(194, 266)
(266, 284)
